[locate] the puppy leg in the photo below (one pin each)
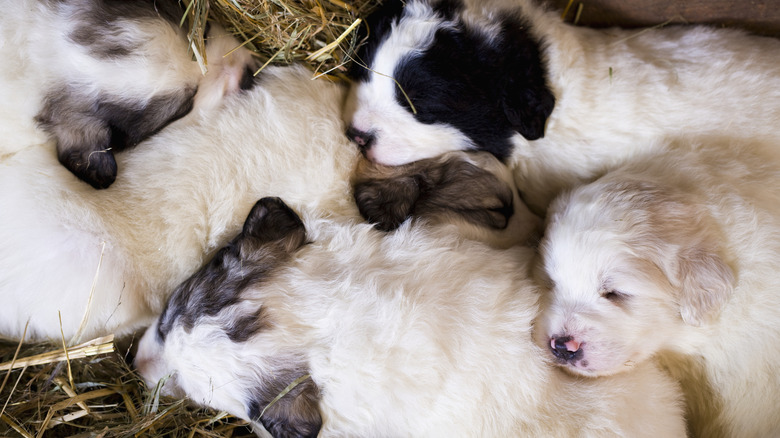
(83, 139)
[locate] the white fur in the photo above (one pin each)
(692, 239)
(414, 333)
(179, 196)
(615, 90)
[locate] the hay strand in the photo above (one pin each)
(90, 348)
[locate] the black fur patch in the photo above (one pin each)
(88, 130)
(434, 188)
(371, 34)
(487, 89)
(271, 232)
(296, 414)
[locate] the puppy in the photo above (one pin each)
(340, 329)
(106, 260)
(472, 192)
(675, 258)
(560, 104)
(100, 76)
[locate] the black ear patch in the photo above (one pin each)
(291, 414)
(375, 29)
(488, 88)
(272, 220)
(526, 99)
(438, 189)
(271, 233)
(387, 203)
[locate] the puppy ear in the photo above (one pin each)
(459, 188)
(526, 99)
(707, 283)
(387, 203)
(272, 220)
(294, 413)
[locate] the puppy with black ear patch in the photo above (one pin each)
(214, 301)
(100, 76)
(675, 258)
(559, 103)
(472, 192)
(412, 333)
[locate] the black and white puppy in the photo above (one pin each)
(561, 104)
(104, 74)
(338, 329)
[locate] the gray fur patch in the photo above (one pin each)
(434, 189)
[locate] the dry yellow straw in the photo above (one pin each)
(94, 347)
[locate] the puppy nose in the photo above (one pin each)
(565, 348)
(362, 139)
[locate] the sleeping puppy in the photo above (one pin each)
(472, 192)
(339, 329)
(99, 76)
(110, 258)
(676, 258)
(560, 104)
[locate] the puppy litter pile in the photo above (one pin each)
(322, 33)
(90, 390)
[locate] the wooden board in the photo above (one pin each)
(759, 16)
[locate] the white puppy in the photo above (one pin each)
(411, 333)
(561, 103)
(678, 258)
(182, 194)
(99, 76)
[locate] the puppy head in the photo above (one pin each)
(429, 81)
(473, 192)
(629, 263)
(218, 343)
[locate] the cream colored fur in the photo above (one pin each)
(689, 240)
(179, 196)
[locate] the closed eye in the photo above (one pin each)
(614, 296)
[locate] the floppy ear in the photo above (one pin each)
(291, 414)
(707, 283)
(526, 99)
(272, 220)
(459, 188)
(387, 203)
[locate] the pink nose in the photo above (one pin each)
(566, 348)
(570, 345)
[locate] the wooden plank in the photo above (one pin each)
(758, 16)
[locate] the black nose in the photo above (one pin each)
(565, 348)
(362, 139)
